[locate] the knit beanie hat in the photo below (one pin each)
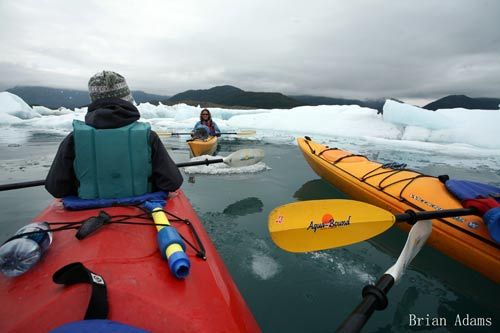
(108, 84)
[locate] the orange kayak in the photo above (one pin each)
(141, 290)
(464, 239)
(203, 146)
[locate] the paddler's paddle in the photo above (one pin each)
(240, 158)
(375, 296)
(240, 133)
(323, 224)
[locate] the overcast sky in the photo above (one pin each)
(412, 50)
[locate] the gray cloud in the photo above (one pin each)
(360, 49)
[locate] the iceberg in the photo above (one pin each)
(403, 125)
(15, 106)
(473, 127)
(409, 115)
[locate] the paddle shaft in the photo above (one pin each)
(374, 298)
(204, 162)
(411, 216)
(15, 186)
(173, 134)
(192, 133)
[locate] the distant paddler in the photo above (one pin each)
(207, 124)
(204, 135)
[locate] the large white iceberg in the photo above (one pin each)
(474, 127)
(15, 106)
(409, 115)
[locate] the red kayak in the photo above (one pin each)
(141, 290)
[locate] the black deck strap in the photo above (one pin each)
(367, 175)
(409, 179)
(309, 145)
(408, 184)
(371, 173)
(443, 178)
(390, 174)
(347, 156)
(77, 273)
(327, 149)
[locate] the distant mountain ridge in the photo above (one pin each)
(69, 98)
(232, 96)
(462, 101)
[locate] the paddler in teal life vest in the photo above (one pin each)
(205, 127)
(111, 154)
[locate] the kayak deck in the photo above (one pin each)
(200, 147)
(142, 291)
(397, 189)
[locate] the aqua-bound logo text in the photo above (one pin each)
(328, 222)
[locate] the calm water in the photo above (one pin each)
(312, 292)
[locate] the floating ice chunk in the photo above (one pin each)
(263, 266)
(15, 106)
(7, 119)
(43, 111)
(221, 168)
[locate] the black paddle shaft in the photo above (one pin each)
(15, 186)
(203, 162)
(412, 217)
(192, 133)
(374, 298)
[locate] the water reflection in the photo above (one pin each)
(244, 207)
(318, 189)
(233, 232)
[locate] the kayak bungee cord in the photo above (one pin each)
(123, 219)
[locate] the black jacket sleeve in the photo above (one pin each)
(61, 180)
(166, 176)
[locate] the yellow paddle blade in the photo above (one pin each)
(246, 132)
(323, 224)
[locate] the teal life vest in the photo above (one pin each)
(112, 163)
